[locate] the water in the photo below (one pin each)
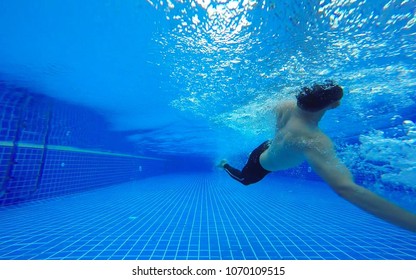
(195, 81)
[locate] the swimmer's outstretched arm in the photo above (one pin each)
(325, 163)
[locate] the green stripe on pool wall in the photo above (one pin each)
(72, 149)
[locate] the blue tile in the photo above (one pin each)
(138, 221)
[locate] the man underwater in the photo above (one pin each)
(298, 138)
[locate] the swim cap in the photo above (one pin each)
(318, 97)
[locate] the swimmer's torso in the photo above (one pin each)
(292, 137)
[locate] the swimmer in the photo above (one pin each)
(298, 139)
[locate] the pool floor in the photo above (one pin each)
(200, 216)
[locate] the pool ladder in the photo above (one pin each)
(23, 103)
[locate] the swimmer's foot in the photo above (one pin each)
(222, 163)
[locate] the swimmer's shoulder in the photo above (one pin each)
(283, 111)
(285, 105)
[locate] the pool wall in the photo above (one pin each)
(50, 148)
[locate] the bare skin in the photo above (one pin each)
(298, 138)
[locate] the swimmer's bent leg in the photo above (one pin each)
(235, 174)
(252, 171)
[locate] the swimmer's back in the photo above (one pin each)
(293, 136)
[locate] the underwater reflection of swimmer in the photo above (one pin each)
(298, 138)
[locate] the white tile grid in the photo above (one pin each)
(197, 217)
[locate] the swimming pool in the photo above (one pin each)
(113, 116)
